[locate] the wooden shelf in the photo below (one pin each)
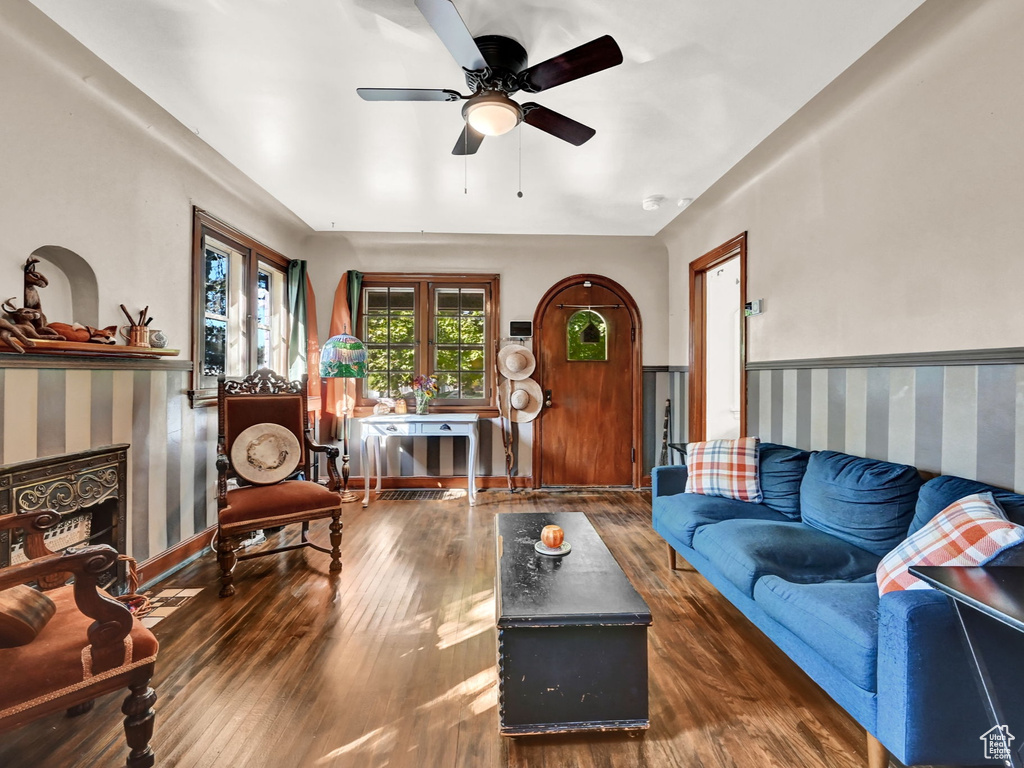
(84, 349)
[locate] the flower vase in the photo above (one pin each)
(422, 403)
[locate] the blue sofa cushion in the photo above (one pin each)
(939, 492)
(746, 550)
(839, 620)
(781, 469)
(681, 515)
(865, 502)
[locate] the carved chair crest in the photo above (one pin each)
(262, 382)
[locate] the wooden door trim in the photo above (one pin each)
(637, 353)
(737, 246)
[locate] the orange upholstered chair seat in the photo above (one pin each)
(60, 660)
(274, 505)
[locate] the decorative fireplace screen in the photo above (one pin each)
(87, 489)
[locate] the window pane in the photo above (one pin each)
(447, 300)
(472, 385)
(472, 300)
(213, 347)
(376, 384)
(403, 329)
(262, 298)
(448, 385)
(447, 330)
(262, 348)
(400, 383)
(216, 283)
(403, 301)
(447, 359)
(377, 330)
(377, 358)
(472, 330)
(473, 359)
(403, 359)
(376, 300)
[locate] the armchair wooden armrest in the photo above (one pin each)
(223, 464)
(34, 525)
(332, 453)
(113, 620)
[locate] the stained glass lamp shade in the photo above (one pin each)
(343, 357)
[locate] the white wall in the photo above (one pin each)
(528, 266)
(885, 216)
(89, 163)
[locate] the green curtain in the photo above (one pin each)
(355, 289)
(298, 338)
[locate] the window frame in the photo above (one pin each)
(253, 254)
(424, 285)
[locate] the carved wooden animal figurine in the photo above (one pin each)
(25, 319)
(33, 282)
(86, 333)
(14, 336)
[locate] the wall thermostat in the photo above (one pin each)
(520, 328)
(755, 307)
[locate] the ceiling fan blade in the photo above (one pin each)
(449, 26)
(408, 94)
(469, 142)
(560, 126)
(589, 58)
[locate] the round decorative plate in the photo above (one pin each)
(544, 549)
(265, 453)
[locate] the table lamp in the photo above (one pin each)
(343, 357)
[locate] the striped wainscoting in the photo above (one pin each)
(663, 383)
(171, 476)
(958, 418)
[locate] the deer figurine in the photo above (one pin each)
(33, 282)
(25, 319)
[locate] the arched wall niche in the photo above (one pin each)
(73, 293)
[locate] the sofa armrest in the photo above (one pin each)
(667, 481)
(929, 706)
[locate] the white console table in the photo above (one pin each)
(416, 425)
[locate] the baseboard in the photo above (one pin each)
(170, 560)
(423, 482)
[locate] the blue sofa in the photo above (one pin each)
(801, 566)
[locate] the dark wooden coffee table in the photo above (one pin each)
(572, 632)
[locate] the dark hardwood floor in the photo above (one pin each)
(393, 663)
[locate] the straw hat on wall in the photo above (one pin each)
(520, 401)
(516, 362)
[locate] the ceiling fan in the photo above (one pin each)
(496, 68)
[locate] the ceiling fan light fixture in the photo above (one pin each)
(492, 114)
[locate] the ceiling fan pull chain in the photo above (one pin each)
(465, 163)
(519, 194)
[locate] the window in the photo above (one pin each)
(233, 276)
(441, 325)
(586, 336)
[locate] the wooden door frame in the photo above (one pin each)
(637, 353)
(736, 247)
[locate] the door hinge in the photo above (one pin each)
(632, 333)
(632, 455)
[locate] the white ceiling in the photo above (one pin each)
(270, 84)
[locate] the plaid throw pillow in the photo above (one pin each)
(971, 531)
(724, 468)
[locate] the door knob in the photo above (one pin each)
(547, 398)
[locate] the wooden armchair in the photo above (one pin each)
(260, 399)
(91, 646)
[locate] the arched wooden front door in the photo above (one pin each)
(587, 339)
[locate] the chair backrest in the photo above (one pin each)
(262, 397)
